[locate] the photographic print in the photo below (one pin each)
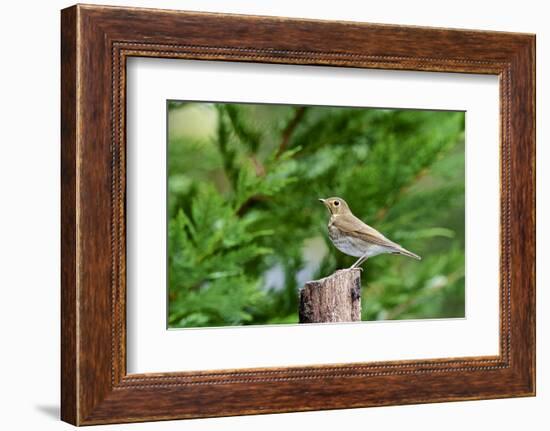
(262, 211)
(286, 214)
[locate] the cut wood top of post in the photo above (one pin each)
(336, 298)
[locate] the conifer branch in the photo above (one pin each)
(289, 129)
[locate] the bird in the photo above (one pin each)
(355, 238)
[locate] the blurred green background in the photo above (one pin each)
(246, 230)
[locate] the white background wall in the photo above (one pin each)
(29, 225)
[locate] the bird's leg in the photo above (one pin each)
(359, 261)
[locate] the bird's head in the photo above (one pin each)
(336, 205)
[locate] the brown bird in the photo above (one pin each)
(355, 238)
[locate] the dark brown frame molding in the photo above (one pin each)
(95, 43)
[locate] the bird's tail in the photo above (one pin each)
(406, 252)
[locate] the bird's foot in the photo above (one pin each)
(355, 268)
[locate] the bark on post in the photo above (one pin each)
(336, 298)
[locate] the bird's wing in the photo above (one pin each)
(358, 229)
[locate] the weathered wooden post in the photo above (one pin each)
(336, 298)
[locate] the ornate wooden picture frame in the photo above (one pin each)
(96, 41)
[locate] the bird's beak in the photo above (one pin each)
(325, 203)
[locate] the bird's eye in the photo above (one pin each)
(336, 203)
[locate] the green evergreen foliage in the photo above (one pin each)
(246, 229)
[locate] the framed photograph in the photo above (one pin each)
(263, 214)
